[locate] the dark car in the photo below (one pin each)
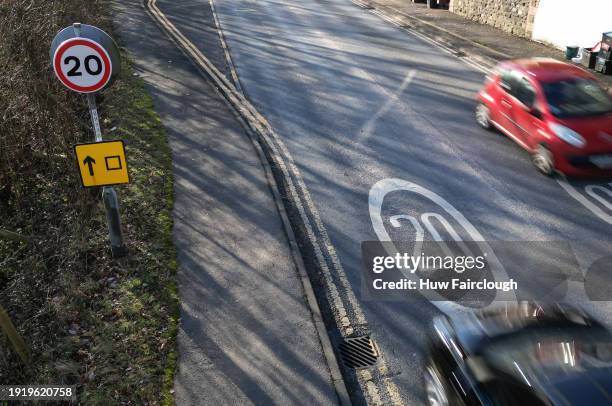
(525, 355)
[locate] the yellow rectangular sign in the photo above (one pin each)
(102, 163)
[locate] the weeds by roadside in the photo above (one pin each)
(105, 325)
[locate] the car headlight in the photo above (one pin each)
(568, 135)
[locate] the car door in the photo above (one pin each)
(508, 82)
(526, 112)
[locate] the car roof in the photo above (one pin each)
(548, 69)
(476, 328)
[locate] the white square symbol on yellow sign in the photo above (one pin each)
(102, 163)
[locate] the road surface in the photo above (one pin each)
(360, 102)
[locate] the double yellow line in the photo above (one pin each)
(299, 196)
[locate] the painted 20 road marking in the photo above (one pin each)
(376, 198)
(601, 195)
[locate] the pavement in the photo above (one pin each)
(367, 106)
(247, 334)
(486, 43)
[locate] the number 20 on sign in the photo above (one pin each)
(82, 65)
(85, 59)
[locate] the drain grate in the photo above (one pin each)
(359, 352)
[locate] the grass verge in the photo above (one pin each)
(106, 325)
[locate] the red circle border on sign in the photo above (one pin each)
(88, 43)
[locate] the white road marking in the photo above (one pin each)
(228, 56)
(575, 193)
(394, 220)
(590, 190)
(420, 233)
(425, 218)
(368, 128)
(376, 200)
(399, 24)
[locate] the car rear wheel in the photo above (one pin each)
(483, 116)
(543, 160)
(436, 390)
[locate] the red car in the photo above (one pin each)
(558, 112)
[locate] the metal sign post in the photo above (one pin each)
(93, 113)
(86, 60)
(109, 196)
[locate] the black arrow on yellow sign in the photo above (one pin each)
(101, 163)
(89, 161)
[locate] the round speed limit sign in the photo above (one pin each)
(84, 58)
(82, 65)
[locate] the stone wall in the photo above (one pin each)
(513, 16)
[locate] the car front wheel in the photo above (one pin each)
(483, 116)
(543, 160)
(436, 390)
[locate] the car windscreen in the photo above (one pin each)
(553, 351)
(577, 98)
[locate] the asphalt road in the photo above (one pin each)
(236, 346)
(359, 101)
